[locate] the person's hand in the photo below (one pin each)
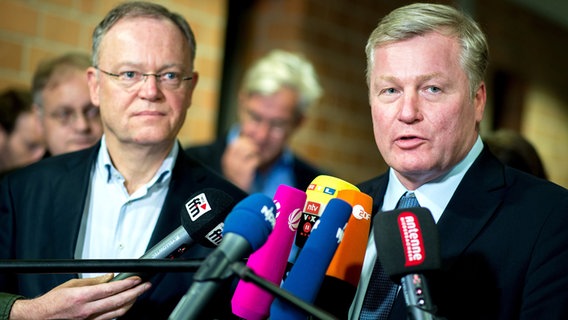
(90, 298)
(239, 162)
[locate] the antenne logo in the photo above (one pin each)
(216, 235)
(411, 236)
(197, 206)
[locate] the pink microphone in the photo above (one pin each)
(269, 261)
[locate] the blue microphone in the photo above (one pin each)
(245, 229)
(307, 274)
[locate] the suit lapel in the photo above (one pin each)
(475, 201)
(68, 206)
(184, 183)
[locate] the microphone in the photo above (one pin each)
(344, 269)
(201, 222)
(306, 276)
(322, 189)
(249, 301)
(245, 229)
(408, 246)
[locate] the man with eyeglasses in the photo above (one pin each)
(70, 120)
(274, 96)
(123, 195)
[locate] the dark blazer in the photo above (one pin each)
(504, 246)
(40, 214)
(210, 155)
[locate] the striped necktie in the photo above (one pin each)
(381, 291)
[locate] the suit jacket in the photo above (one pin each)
(504, 246)
(40, 214)
(210, 155)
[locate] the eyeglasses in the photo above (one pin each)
(128, 79)
(66, 116)
(278, 127)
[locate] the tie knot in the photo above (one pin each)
(408, 200)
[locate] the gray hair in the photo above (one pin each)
(283, 69)
(420, 18)
(138, 9)
(50, 72)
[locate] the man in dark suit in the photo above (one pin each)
(274, 96)
(125, 194)
(503, 235)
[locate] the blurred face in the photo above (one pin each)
(70, 120)
(269, 121)
(25, 144)
(147, 112)
(423, 118)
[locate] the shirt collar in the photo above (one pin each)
(434, 195)
(104, 164)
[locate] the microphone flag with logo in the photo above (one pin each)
(201, 222)
(408, 247)
(249, 301)
(245, 230)
(322, 189)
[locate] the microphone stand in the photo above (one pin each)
(98, 265)
(249, 275)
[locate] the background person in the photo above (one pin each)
(21, 137)
(516, 151)
(70, 120)
(274, 96)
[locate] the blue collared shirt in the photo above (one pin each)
(118, 225)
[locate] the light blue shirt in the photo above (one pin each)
(434, 195)
(282, 172)
(118, 225)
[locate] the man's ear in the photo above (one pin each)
(94, 85)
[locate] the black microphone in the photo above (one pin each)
(407, 247)
(246, 229)
(201, 222)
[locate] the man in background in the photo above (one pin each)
(61, 95)
(273, 99)
(21, 137)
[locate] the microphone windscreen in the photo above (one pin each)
(407, 242)
(348, 259)
(203, 216)
(344, 270)
(322, 189)
(249, 301)
(306, 276)
(252, 218)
